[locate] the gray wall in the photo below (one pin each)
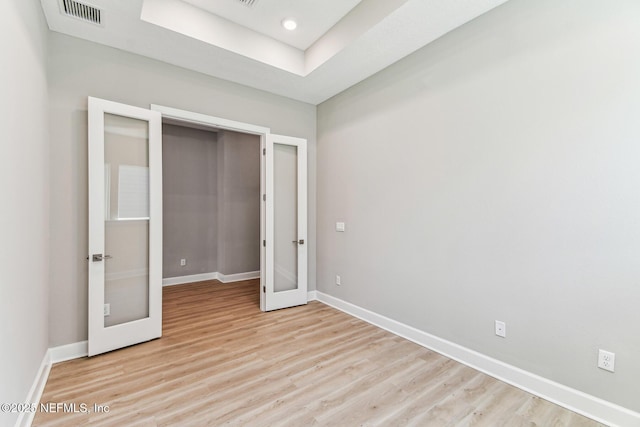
(211, 212)
(495, 175)
(79, 68)
(190, 201)
(24, 170)
(239, 203)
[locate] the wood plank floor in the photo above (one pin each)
(222, 361)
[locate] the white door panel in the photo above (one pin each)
(125, 225)
(286, 222)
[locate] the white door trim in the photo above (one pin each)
(211, 121)
(185, 116)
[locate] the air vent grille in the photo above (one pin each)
(81, 11)
(249, 3)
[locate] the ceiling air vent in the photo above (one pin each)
(81, 11)
(249, 3)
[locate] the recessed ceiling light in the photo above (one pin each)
(289, 24)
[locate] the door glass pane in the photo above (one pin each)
(126, 158)
(285, 185)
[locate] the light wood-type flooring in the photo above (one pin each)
(221, 361)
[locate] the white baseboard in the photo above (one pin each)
(224, 278)
(574, 400)
(229, 278)
(170, 281)
(312, 296)
(67, 352)
(35, 393)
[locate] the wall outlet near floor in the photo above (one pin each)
(183, 262)
(501, 329)
(107, 309)
(338, 280)
(606, 360)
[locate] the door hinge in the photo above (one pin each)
(264, 151)
(264, 289)
(264, 197)
(264, 243)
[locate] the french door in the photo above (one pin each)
(125, 220)
(285, 284)
(125, 225)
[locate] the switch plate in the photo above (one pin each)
(606, 360)
(340, 226)
(501, 329)
(338, 280)
(183, 262)
(107, 309)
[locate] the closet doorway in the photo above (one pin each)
(282, 198)
(211, 204)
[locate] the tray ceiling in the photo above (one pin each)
(337, 43)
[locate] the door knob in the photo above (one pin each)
(298, 242)
(99, 257)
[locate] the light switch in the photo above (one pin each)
(339, 226)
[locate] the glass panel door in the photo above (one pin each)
(126, 162)
(286, 222)
(125, 225)
(285, 195)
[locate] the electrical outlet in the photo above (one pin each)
(107, 309)
(606, 360)
(183, 262)
(501, 329)
(338, 280)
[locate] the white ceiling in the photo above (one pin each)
(314, 17)
(338, 42)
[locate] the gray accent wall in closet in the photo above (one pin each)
(238, 202)
(211, 201)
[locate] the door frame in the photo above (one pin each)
(185, 116)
